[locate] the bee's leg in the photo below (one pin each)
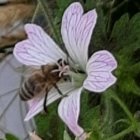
(45, 102)
(59, 91)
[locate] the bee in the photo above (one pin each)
(43, 80)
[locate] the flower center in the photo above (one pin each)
(63, 68)
(78, 78)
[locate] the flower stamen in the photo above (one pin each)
(63, 68)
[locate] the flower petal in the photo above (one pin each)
(99, 68)
(38, 49)
(36, 104)
(69, 109)
(76, 32)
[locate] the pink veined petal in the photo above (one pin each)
(95, 85)
(99, 68)
(76, 32)
(101, 60)
(69, 109)
(38, 49)
(36, 104)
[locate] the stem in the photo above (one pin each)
(133, 125)
(35, 12)
(118, 6)
(122, 133)
(46, 10)
(123, 106)
(113, 9)
(108, 111)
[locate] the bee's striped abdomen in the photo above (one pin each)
(25, 92)
(33, 86)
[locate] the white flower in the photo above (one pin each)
(39, 49)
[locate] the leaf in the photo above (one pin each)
(90, 4)
(62, 4)
(120, 29)
(66, 136)
(49, 126)
(10, 137)
(126, 37)
(126, 31)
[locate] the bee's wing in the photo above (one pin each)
(38, 49)
(76, 32)
(26, 71)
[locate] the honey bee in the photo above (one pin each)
(41, 81)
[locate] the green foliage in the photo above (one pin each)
(9, 136)
(62, 5)
(127, 31)
(126, 34)
(90, 4)
(49, 125)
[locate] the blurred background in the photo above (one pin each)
(13, 15)
(113, 115)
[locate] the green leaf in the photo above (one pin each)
(49, 126)
(121, 28)
(10, 137)
(126, 32)
(90, 4)
(62, 5)
(126, 37)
